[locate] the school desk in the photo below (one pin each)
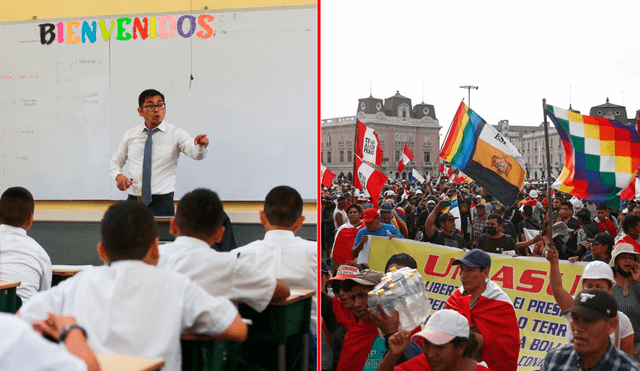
(116, 362)
(9, 301)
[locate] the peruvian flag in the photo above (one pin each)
(632, 191)
(406, 157)
(368, 146)
(327, 176)
(370, 179)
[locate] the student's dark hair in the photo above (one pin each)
(148, 93)
(527, 210)
(128, 230)
(602, 207)
(199, 213)
(585, 215)
(496, 217)
(16, 205)
(403, 259)
(568, 204)
(629, 222)
(283, 206)
(354, 206)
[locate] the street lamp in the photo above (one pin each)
(469, 87)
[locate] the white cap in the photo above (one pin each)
(622, 248)
(443, 326)
(533, 193)
(419, 192)
(597, 270)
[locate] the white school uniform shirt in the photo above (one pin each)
(23, 259)
(219, 273)
(21, 348)
(132, 308)
(168, 142)
(291, 259)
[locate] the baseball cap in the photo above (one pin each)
(447, 216)
(533, 193)
(362, 197)
(603, 238)
(369, 214)
(443, 326)
(419, 192)
(367, 277)
(385, 206)
(431, 202)
(593, 304)
(499, 208)
(474, 258)
(344, 272)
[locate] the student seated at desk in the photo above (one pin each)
(22, 258)
(290, 258)
(197, 225)
(22, 348)
(130, 306)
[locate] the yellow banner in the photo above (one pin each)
(525, 280)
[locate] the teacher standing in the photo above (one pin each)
(152, 150)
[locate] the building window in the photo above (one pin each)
(397, 138)
(404, 137)
(411, 138)
(427, 157)
(349, 156)
(349, 139)
(321, 156)
(427, 139)
(328, 139)
(341, 156)
(397, 155)
(341, 139)
(328, 157)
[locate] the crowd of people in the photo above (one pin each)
(478, 329)
(147, 293)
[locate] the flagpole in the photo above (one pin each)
(546, 139)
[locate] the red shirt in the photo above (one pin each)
(607, 226)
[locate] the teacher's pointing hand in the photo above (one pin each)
(201, 139)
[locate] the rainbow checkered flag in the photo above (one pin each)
(601, 155)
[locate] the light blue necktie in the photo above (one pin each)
(146, 168)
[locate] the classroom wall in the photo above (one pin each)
(45, 9)
(69, 230)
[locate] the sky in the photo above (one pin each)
(517, 53)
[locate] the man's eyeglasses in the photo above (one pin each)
(152, 107)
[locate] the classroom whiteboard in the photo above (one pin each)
(65, 107)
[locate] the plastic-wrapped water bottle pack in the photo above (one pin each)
(402, 290)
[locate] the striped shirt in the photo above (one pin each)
(567, 359)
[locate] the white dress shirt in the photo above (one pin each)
(168, 142)
(21, 348)
(132, 308)
(219, 273)
(290, 258)
(23, 259)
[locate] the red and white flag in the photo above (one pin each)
(632, 191)
(370, 179)
(406, 157)
(326, 176)
(368, 146)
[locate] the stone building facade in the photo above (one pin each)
(397, 122)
